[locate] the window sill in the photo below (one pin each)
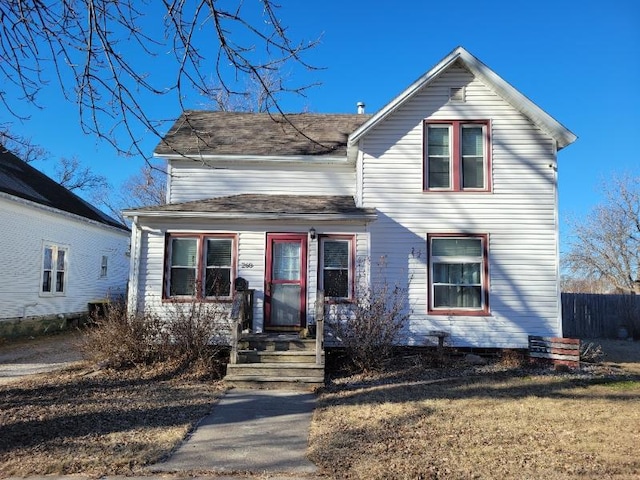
(197, 300)
(459, 313)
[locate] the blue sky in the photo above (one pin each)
(579, 60)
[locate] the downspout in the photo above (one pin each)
(134, 268)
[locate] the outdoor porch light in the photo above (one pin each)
(312, 233)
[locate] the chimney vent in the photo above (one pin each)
(360, 106)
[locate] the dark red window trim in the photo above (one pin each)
(485, 276)
(200, 237)
(456, 180)
(352, 266)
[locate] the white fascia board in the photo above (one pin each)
(397, 102)
(297, 159)
(159, 214)
(543, 120)
(69, 215)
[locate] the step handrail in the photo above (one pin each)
(319, 326)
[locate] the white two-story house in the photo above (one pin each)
(452, 185)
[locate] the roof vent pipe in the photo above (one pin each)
(360, 106)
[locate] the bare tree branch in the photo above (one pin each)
(73, 176)
(606, 245)
(91, 50)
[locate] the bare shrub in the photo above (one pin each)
(192, 333)
(118, 339)
(370, 327)
(199, 332)
(513, 358)
(590, 352)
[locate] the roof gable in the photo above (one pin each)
(19, 179)
(214, 133)
(544, 121)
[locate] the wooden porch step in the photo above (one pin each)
(275, 375)
(276, 343)
(278, 369)
(273, 356)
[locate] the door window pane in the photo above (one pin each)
(286, 261)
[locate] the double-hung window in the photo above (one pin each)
(457, 155)
(337, 267)
(458, 274)
(54, 270)
(200, 266)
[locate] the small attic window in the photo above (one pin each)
(456, 94)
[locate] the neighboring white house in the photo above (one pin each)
(453, 184)
(58, 253)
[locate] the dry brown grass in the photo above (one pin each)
(105, 422)
(504, 424)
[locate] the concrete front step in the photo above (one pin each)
(266, 356)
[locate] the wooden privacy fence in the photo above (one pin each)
(586, 315)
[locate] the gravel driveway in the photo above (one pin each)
(19, 358)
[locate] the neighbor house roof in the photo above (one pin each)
(19, 179)
(209, 133)
(327, 207)
(461, 56)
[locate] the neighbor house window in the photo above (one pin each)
(457, 155)
(104, 264)
(458, 274)
(337, 267)
(54, 270)
(200, 266)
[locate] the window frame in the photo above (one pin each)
(484, 280)
(55, 270)
(104, 266)
(200, 267)
(455, 155)
(351, 241)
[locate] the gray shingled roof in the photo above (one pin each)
(241, 133)
(21, 180)
(269, 204)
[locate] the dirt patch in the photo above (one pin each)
(27, 356)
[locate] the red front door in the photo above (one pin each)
(286, 282)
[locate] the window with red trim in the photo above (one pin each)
(458, 274)
(200, 266)
(336, 267)
(456, 155)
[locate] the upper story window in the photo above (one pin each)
(104, 266)
(456, 156)
(54, 270)
(458, 274)
(337, 267)
(200, 266)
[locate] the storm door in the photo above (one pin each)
(285, 282)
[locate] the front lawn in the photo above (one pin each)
(486, 423)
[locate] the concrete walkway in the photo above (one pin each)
(257, 431)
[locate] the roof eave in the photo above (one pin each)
(552, 127)
(367, 216)
(315, 159)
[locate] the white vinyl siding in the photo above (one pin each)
(190, 180)
(26, 228)
(519, 213)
